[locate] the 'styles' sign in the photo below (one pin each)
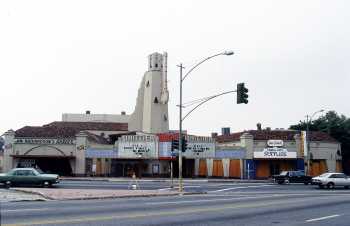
(44, 141)
(275, 152)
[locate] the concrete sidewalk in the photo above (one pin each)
(187, 180)
(11, 195)
(83, 194)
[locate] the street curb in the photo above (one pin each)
(31, 192)
(106, 197)
(168, 181)
(241, 181)
(83, 179)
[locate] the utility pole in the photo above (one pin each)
(308, 121)
(308, 144)
(180, 132)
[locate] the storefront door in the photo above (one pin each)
(274, 168)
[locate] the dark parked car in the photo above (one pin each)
(27, 176)
(292, 177)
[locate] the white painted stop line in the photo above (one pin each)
(234, 188)
(323, 218)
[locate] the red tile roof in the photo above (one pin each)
(275, 135)
(97, 139)
(68, 129)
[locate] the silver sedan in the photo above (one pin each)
(332, 180)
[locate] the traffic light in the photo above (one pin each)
(174, 145)
(242, 94)
(184, 144)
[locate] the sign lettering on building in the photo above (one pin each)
(275, 152)
(275, 143)
(60, 141)
(137, 150)
(200, 150)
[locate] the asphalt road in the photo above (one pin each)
(239, 204)
(189, 185)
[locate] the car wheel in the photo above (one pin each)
(46, 184)
(7, 184)
(306, 183)
(287, 181)
(280, 182)
(330, 185)
(321, 186)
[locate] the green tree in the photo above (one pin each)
(337, 126)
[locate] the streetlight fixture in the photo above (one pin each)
(308, 121)
(182, 78)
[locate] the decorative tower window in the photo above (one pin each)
(165, 118)
(147, 84)
(156, 100)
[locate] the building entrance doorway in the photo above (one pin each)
(60, 166)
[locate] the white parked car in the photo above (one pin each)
(331, 180)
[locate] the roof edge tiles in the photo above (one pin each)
(287, 135)
(68, 129)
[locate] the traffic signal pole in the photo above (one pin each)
(182, 78)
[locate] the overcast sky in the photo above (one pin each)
(71, 56)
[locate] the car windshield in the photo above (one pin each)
(283, 173)
(324, 175)
(10, 172)
(39, 171)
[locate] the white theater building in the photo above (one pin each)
(109, 144)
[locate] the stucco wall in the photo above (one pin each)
(68, 117)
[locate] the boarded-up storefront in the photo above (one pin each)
(318, 167)
(218, 169)
(262, 169)
(339, 167)
(235, 168)
(202, 168)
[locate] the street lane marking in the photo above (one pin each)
(190, 186)
(234, 188)
(323, 218)
(20, 210)
(164, 189)
(211, 200)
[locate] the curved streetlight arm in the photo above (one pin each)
(202, 61)
(206, 100)
(308, 121)
(309, 118)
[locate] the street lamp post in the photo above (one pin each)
(182, 78)
(308, 121)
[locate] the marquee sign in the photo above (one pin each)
(275, 153)
(200, 150)
(137, 150)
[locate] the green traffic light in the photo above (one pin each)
(242, 96)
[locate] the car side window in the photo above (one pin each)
(19, 173)
(301, 173)
(333, 176)
(28, 173)
(341, 176)
(31, 173)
